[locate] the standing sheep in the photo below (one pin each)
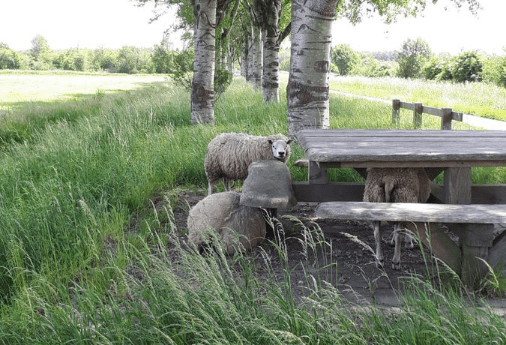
(237, 226)
(395, 185)
(230, 154)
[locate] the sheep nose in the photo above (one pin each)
(281, 154)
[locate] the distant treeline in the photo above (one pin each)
(413, 60)
(125, 60)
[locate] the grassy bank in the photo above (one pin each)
(478, 99)
(85, 257)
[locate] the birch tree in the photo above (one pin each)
(272, 37)
(308, 83)
(202, 97)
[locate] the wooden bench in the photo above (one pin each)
(473, 224)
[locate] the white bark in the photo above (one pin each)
(202, 98)
(308, 83)
(270, 84)
(255, 53)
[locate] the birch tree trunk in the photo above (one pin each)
(270, 84)
(202, 98)
(255, 54)
(308, 83)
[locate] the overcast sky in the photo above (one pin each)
(115, 23)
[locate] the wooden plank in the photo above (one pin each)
(457, 185)
(433, 111)
(320, 133)
(407, 105)
(341, 191)
(305, 192)
(316, 175)
(398, 212)
(399, 163)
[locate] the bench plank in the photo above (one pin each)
(413, 212)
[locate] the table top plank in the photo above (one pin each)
(449, 148)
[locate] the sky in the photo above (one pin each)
(452, 31)
(116, 23)
(80, 23)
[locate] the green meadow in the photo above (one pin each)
(86, 258)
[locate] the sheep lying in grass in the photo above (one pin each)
(395, 185)
(230, 154)
(236, 226)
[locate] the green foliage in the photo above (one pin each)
(368, 66)
(163, 59)
(71, 60)
(134, 60)
(467, 67)
(344, 58)
(9, 59)
(181, 71)
(412, 57)
(437, 68)
(105, 60)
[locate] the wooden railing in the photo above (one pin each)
(446, 114)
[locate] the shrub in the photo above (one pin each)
(467, 67)
(344, 58)
(9, 59)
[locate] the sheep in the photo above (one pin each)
(238, 227)
(230, 154)
(394, 185)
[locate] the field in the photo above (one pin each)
(479, 99)
(92, 250)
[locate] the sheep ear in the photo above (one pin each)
(289, 141)
(270, 141)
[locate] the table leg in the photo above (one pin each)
(457, 185)
(475, 240)
(316, 174)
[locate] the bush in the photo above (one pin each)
(344, 58)
(438, 68)
(9, 59)
(467, 67)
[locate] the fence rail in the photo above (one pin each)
(446, 114)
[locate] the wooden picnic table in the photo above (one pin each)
(453, 152)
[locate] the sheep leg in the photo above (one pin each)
(377, 239)
(408, 241)
(226, 183)
(209, 188)
(396, 261)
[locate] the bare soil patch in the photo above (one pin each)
(342, 261)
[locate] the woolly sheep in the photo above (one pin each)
(237, 226)
(395, 185)
(230, 154)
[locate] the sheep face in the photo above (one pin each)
(279, 148)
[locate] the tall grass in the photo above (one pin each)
(86, 258)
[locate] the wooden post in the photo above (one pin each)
(316, 175)
(446, 119)
(417, 115)
(396, 114)
(475, 241)
(457, 186)
(441, 246)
